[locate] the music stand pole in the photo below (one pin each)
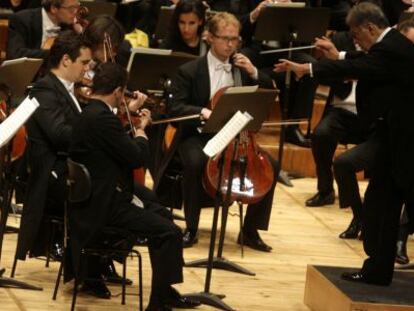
(207, 297)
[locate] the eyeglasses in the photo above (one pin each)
(234, 40)
(71, 8)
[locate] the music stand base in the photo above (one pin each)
(12, 283)
(220, 263)
(210, 300)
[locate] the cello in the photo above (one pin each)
(253, 172)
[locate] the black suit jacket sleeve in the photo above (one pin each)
(182, 86)
(112, 138)
(20, 38)
(51, 119)
(365, 66)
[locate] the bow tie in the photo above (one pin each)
(225, 67)
(53, 30)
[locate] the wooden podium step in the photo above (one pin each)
(326, 291)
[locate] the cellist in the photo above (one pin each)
(193, 87)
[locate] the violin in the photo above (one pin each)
(253, 174)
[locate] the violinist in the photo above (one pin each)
(186, 29)
(101, 144)
(31, 30)
(193, 87)
(49, 131)
(95, 33)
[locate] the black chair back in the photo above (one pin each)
(79, 182)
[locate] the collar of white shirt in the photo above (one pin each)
(47, 23)
(383, 34)
(70, 87)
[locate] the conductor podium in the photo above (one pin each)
(326, 291)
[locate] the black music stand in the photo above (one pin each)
(226, 107)
(150, 69)
(97, 8)
(290, 25)
(14, 78)
(163, 24)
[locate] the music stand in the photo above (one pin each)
(227, 105)
(150, 69)
(290, 25)
(163, 24)
(97, 8)
(14, 78)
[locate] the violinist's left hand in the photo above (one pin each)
(137, 103)
(243, 62)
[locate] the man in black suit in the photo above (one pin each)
(100, 142)
(384, 96)
(49, 131)
(193, 87)
(31, 30)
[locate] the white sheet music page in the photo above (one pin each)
(233, 127)
(18, 118)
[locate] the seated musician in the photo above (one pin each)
(31, 30)
(49, 131)
(101, 144)
(95, 35)
(187, 25)
(195, 84)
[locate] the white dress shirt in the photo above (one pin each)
(220, 73)
(49, 29)
(70, 87)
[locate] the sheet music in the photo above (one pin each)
(241, 89)
(9, 62)
(286, 5)
(233, 127)
(142, 50)
(11, 125)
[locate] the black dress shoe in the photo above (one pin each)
(96, 288)
(296, 137)
(359, 277)
(157, 307)
(401, 256)
(189, 238)
(321, 199)
(353, 230)
(176, 300)
(252, 239)
(111, 276)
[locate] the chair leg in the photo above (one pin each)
(123, 278)
(49, 244)
(140, 281)
(75, 294)
(13, 268)
(241, 229)
(58, 280)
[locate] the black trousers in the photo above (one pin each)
(384, 199)
(194, 161)
(164, 239)
(340, 126)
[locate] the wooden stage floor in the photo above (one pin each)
(299, 236)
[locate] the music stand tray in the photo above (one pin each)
(150, 68)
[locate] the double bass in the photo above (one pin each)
(253, 172)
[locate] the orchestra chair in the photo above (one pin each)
(114, 242)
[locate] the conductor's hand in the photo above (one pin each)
(327, 48)
(137, 102)
(244, 63)
(205, 113)
(299, 69)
